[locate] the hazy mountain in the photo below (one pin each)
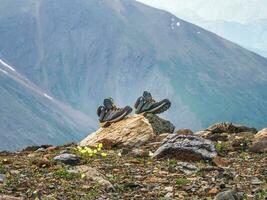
(243, 22)
(239, 11)
(82, 51)
(29, 116)
(252, 35)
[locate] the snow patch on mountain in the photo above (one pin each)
(5, 72)
(6, 65)
(47, 96)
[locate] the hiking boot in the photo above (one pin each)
(146, 104)
(109, 113)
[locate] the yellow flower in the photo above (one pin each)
(95, 151)
(100, 145)
(83, 151)
(103, 154)
(88, 149)
(83, 175)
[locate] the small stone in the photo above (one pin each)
(14, 172)
(169, 189)
(67, 158)
(256, 181)
(168, 196)
(187, 168)
(213, 191)
(139, 153)
(40, 150)
(52, 148)
(220, 162)
(31, 155)
(184, 132)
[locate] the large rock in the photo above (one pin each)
(160, 125)
(133, 131)
(260, 142)
(261, 134)
(238, 137)
(186, 147)
(228, 127)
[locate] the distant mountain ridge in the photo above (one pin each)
(82, 51)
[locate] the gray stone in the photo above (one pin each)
(187, 168)
(160, 125)
(186, 147)
(256, 181)
(228, 195)
(68, 158)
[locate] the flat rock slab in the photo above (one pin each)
(133, 131)
(186, 147)
(5, 197)
(260, 142)
(94, 175)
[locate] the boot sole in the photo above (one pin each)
(108, 123)
(160, 109)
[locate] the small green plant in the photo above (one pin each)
(2, 169)
(172, 161)
(221, 147)
(182, 181)
(64, 174)
(93, 192)
(261, 195)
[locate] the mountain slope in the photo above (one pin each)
(30, 117)
(86, 50)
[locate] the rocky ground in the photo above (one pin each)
(188, 168)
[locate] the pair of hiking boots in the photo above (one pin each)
(110, 113)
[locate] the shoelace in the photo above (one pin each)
(150, 100)
(115, 108)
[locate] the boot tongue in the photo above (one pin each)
(147, 96)
(108, 103)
